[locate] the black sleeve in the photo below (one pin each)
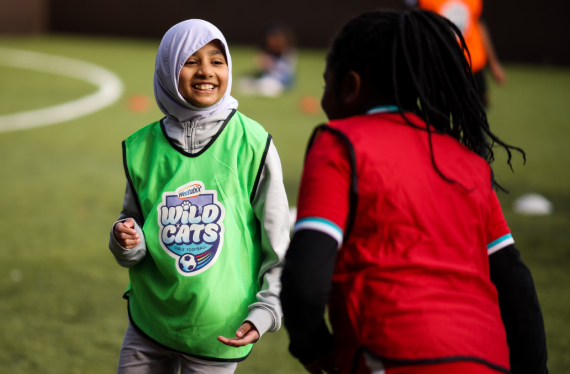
(520, 311)
(410, 3)
(306, 282)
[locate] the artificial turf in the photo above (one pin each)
(62, 187)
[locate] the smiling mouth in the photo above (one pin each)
(204, 87)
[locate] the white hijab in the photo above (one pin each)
(179, 43)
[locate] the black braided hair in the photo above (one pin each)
(415, 60)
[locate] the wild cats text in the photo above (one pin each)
(183, 225)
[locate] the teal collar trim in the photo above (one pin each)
(383, 109)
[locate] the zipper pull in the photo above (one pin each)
(187, 126)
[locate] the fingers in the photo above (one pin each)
(224, 340)
(246, 334)
(236, 342)
(129, 243)
(126, 236)
(121, 227)
(248, 338)
(129, 222)
(243, 329)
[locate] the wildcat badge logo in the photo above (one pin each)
(191, 227)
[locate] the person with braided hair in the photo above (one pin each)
(399, 229)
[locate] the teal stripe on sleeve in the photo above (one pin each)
(321, 220)
(501, 239)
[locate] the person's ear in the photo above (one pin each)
(352, 87)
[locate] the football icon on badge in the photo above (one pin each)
(187, 262)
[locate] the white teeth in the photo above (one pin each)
(204, 86)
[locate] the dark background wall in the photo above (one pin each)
(530, 30)
(23, 16)
(315, 22)
(522, 30)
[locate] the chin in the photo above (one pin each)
(202, 104)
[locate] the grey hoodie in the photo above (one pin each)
(270, 207)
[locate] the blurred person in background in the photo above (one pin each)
(466, 15)
(275, 64)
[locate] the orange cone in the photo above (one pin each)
(309, 104)
(139, 103)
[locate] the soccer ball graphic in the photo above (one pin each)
(187, 263)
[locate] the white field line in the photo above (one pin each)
(109, 84)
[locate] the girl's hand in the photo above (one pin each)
(498, 73)
(245, 335)
(125, 234)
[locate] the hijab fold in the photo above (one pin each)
(179, 43)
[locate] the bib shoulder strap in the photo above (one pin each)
(353, 192)
(260, 169)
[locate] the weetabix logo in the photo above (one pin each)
(191, 191)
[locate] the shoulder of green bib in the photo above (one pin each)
(143, 131)
(249, 123)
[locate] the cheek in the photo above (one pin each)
(184, 78)
(332, 105)
(327, 101)
(223, 78)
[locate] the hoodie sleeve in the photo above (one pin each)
(272, 210)
(128, 257)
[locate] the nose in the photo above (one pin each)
(205, 70)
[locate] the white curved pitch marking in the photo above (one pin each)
(109, 84)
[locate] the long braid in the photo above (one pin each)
(400, 37)
(427, 74)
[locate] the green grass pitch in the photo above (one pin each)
(62, 187)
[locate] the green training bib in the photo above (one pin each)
(203, 240)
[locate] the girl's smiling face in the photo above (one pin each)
(203, 79)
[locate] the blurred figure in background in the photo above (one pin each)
(466, 15)
(275, 64)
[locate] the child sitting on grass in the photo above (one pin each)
(275, 63)
(204, 226)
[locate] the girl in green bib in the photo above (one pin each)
(204, 226)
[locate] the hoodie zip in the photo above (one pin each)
(190, 141)
(190, 129)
